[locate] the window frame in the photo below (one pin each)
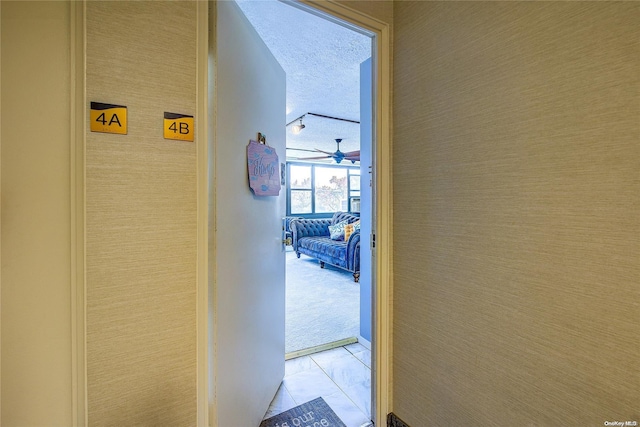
(350, 193)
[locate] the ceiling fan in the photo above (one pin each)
(338, 156)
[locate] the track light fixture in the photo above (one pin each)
(297, 128)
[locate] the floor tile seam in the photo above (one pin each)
(336, 350)
(354, 404)
(339, 391)
(343, 391)
(329, 365)
(323, 375)
(290, 394)
(344, 357)
(314, 361)
(352, 401)
(304, 370)
(367, 366)
(358, 406)
(349, 350)
(346, 384)
(361, 350)
(295, 379)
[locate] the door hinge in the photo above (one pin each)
(373, 240)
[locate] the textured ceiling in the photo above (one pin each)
(322, 62)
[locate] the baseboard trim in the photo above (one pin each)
(394, 421)
(319, 348)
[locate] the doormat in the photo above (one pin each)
(315, 413)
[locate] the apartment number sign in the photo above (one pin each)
(178, 127)
(264, 168)
(108, 118)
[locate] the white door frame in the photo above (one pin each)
(382, 198)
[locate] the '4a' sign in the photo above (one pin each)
(108, 118)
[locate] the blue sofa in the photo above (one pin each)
(312, 238)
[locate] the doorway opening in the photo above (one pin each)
(329, 171)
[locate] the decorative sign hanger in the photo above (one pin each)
(264, 167)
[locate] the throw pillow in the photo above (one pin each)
(349, 229)
(337, 231)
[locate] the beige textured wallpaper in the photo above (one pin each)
(36, 247)
(517, 229)
(141, 217)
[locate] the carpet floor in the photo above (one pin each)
(322, 304)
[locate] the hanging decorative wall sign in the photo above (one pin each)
(264, 168)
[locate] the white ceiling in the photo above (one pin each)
(322, 61)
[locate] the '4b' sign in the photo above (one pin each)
(108, 118)
(178, 126)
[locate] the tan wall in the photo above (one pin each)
(36, 294)
(141, 217)
(516, 164)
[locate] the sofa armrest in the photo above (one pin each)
(353, 252)
(308, 228)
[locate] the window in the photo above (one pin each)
(300, 189)
(322, 189)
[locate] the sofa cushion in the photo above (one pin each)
(324, 249)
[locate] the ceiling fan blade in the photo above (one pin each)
(302, 149)
(352, 153)
(325, 152)
(338, 156)
(314, 158)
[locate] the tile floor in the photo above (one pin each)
(341, 376)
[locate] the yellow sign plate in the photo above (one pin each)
(108, 118)
(178, 126)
